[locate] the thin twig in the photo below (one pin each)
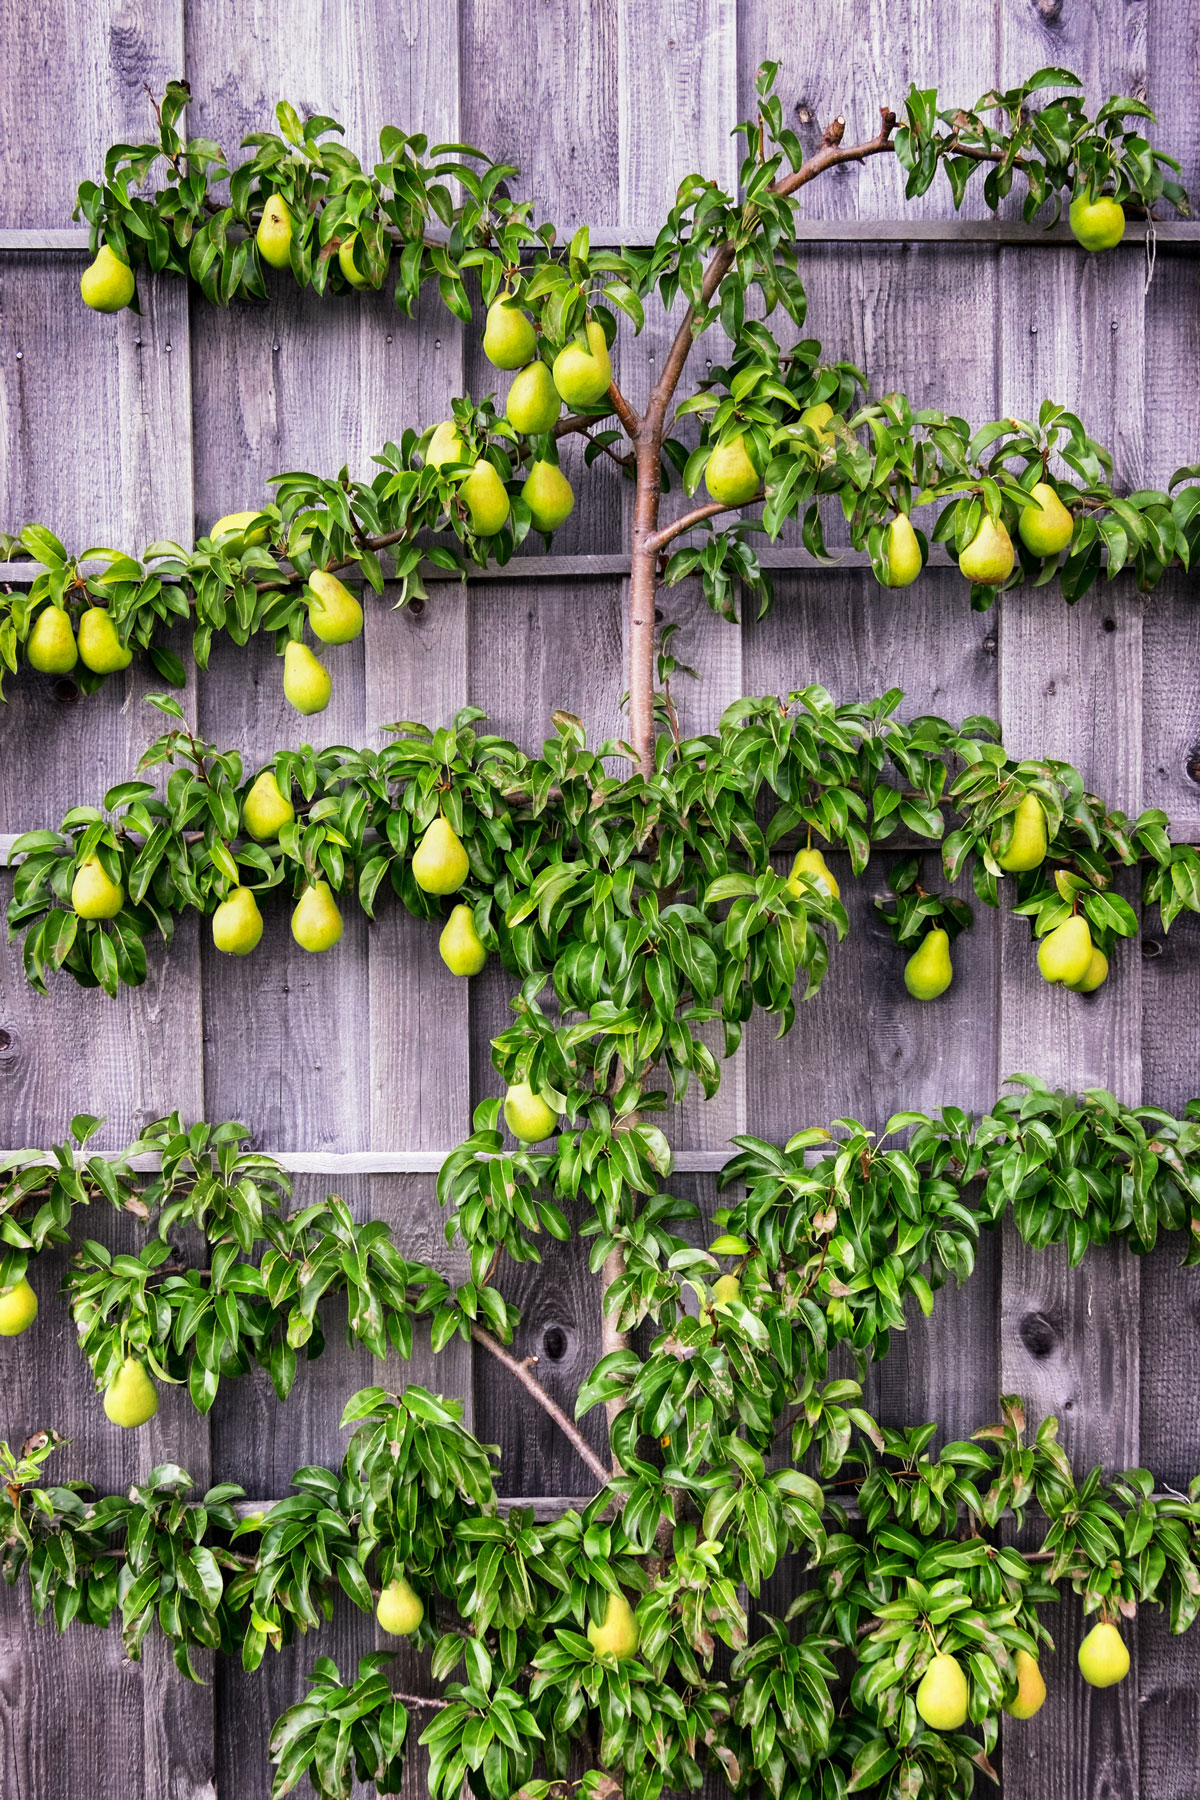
(697, 516)
(528, 1381)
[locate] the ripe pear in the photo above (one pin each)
(131, 1397)
(274, 234)
(1103, 1658)
(51, 648)
(93, 895)
(486, 498)
(306, 681)
(1027, 846)
(903, 552)
(461, 950)
(100, 649)
(333, 612)
(533, 404)
(1096, 976)
(942, 1695)
(989, 556)
(1065, 954)
(445, 446)
(1097, 224)
(316, 922)
(400, 1610)
(725, 1289)
(527, 1115)
(810, 870)
(548, 495)
(237, 923)
(346, 263)
(107, 283)
(1031, 1689)
(730, 476)
(18, 1308)
(439, 864)
(584, 376)
(265, 811)
(929, 972)
(1047, 527)
(509, 340)
(233, 525)
(817, 418)
(618, 1635)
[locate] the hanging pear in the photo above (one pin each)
(1027, 845)
(107, 284)
(533, 404)
(1048, 527)
(548, 495)
(51, 648)
(617, 1636)
(237, 923)
(817, 419)
(1097, 224)
(333, 612)
(1065, 954)
(486, 499)
(584, 376)
(234, 525)
(349, 267)
(810, 870)
(316, 921)
(942, 1695)
(131, 1397)
(445, 446)
(509, 340)
(1094, 976)
(18, 1308)
(929, 971)
(400, 1609)
(1103, 1657)
(989, 557)
(439, 863)
(306, 682)
(902, 549)
(1031, 1689)
(527, 1115)
(265, 811)
(730, 476)
(460, 946)
(100, 648)
(725, 1289)
(93, 894)
(274, 234)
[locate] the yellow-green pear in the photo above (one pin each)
(486, 498)
(51, 647)
(265, 811)
(1103, 1658)
(1031, 1689)
(817, 418)
(333, 612)
(533, 404)
(440, 864)
(1027, 845)
(1096, 975)
(274, 234)
(527, 1115)
(942, 1695)
(929, 971)
(306, 682)
(1097, 224)
(93, 895)
(1048, 527)
(400, 1609)
(18, 1308)
(810, 870)
(725, 1289)
(100, 649)
(460, 946)
(347, 265)
(618, 1635)
(1065, 954)
(445, 446)
(989, 556)
(509, 339)
(730, 476)
(107, 283)
(316, 921)
(237, 923)
(548, 495)
(234, 525)
(131, 1397)
(902, 551)
(584, 376)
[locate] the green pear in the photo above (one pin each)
(533, 404)
(1097, 224)
(233, 525)
(107, 284)
(445, 446)
(274, 234)
(333, 612)
(1027, 845)
(265, 811)
(942, 1695)
(509, 340)
(618, 1635)
(817, 418)
(237, 923)
(725, 1289)
(100, 649)
(18, 1308)
(527, 1115)
(93, 895)
(902, 550)
(810, 870)
(989, 556)
(347, 265)
(486, 499)
(730, 476)
(929, 972)
(131, 1397)
(440, 864)
(400, 1610)
(1031, 1689)
(51, 648)
(306, 682)
(316, 921)
(461, 950)
(1048, 527)
(1065, 954)
(584, 376)
(548, 495)
(1096, 974)
(1103, 1658)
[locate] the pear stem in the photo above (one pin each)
(573, 1436)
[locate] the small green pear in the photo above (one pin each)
(1065, 954)
(810, 870)
(942, 1695)
(439, 863)
(237, 923)
(316, 921)
(527, 1115)
(989, 556)
(400, 1610)
(548, 495)
(306, 682)
(1027, 845)
(902, 550)
(265, 811)
(100, 649)
(725, 1289)
(460, 946)
(817, 418)
(347, 265)
(1103, 1657)
(51, 647)
(486, 499)
(333, 612)
(234, 525)
(445, 446)
(1097, 224)
(584, 376)
(93, 894)
(274, 234)
(730, 476)
(131, 1397)
(929, 971)
(533, 404)
(1031, 1689)
(107, 284)
(1096, 975)
(18, 1308)
(509, 340)
(1048, 527)
(618, 1635)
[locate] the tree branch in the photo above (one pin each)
(574, 1437)
(685, 522)
(629, 419)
